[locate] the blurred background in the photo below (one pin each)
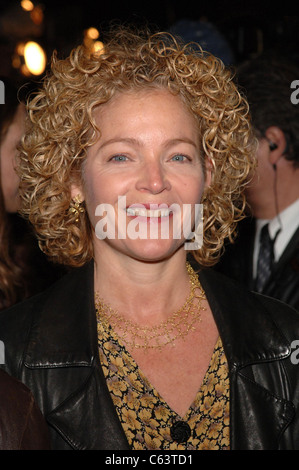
(30, 30)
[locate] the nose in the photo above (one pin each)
(153, 178)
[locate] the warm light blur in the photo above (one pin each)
(98, 47)
(27, 5)
(92, 33)
(37, 15)
(35, 58)
(90, 41)
(20, 48)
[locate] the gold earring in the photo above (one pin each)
(76, 207)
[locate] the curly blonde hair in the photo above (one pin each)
(63, 127)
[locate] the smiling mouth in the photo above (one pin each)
(150, 213)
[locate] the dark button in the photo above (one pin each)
(180, 431)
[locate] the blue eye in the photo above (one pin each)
(119, 158)
(179, 158)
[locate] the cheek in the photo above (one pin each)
(94, 195)
(261, 175)
(7, 163)
(193, 190)
(101, 190)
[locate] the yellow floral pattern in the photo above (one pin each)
(145, 416)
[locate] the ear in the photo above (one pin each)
(76, 191)
(277, 143)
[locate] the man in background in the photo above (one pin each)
(273, 194)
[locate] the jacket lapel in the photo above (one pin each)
(91, 404)
(248, 333)
(253, 345)
(258, 418)
(64, 346)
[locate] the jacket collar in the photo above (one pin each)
(248, 332)
(64, 330)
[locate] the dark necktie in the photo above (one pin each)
(265, 259)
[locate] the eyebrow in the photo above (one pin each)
(136, 142)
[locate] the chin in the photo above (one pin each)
(153, 251)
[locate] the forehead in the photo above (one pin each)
(145, 102)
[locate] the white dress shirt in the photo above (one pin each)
(287, 222)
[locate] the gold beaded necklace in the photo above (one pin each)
(178, 325)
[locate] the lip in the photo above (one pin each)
(149, 211)
(149, 205)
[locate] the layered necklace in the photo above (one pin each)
(178, 325)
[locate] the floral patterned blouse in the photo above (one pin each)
(147, 420)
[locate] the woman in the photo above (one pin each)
(12, 124)
(133, 349)
(24, 270)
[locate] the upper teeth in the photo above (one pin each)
(139, 211)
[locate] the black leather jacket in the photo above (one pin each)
(22, 426)
(51, 345)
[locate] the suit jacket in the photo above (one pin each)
(51, 345)
(283, 283)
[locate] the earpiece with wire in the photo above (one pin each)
(272, 146)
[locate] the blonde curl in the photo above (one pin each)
(62, 128)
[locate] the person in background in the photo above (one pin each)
(206, 34)
(135, 349)
(13, 116)
(24, 270)
(265, 255)
(22, 426)
(12, 127)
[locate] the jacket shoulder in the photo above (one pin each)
(249, 321)
(283, 315)
(44, 315)
(66, 284)
(15, 324)
(239, 293)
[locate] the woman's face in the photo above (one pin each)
(143, 175)
(8, 151)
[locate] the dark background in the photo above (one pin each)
(249, 29)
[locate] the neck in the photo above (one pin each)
(269, 196)
(284, 194)
(271, 211)
(142, 290)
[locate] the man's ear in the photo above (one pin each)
(277, 144)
